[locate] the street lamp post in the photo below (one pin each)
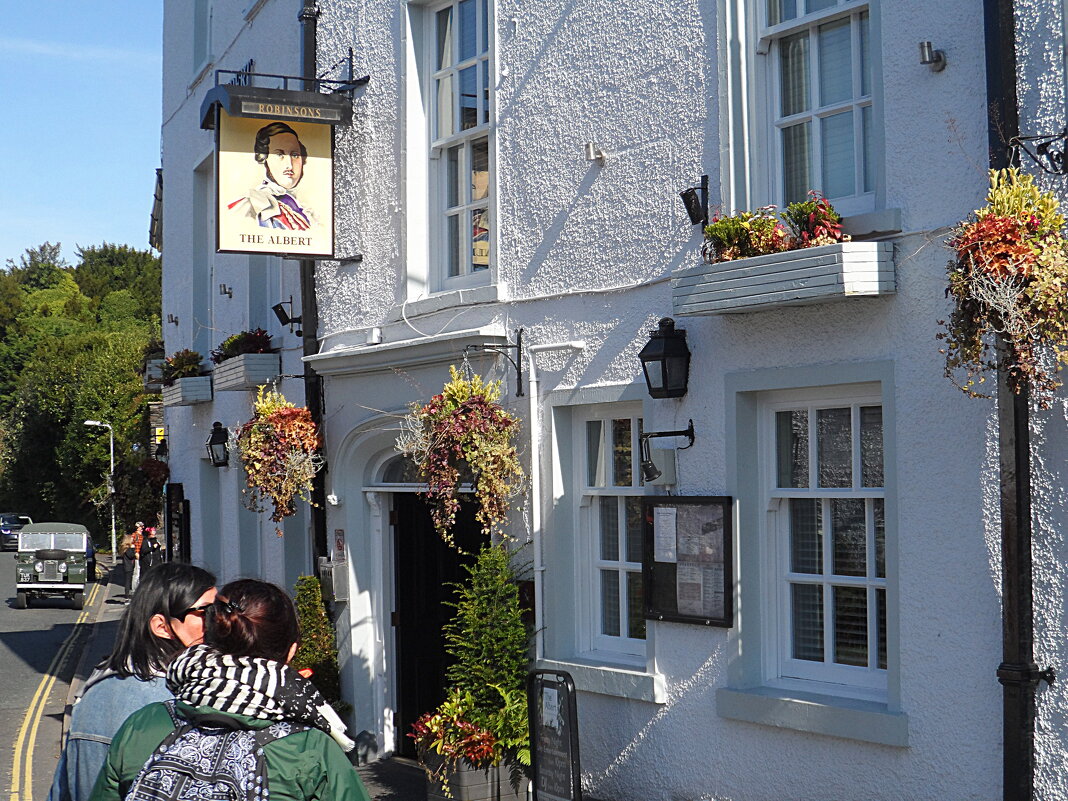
(111, 478)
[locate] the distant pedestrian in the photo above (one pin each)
(137, 539)
(151, 551)
(128, 556)
(165, 616)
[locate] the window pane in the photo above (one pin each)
(865, 55)
(446, 108)
(480, 228)
(807, 602)
(836, 63)
(880, 608)
(839, 161)
(486, 25)
(865, 134)
(594, 453)
(609, 508)
(610, 603)
(621, 453)
(452, 178)
(468, 98)
(468, 30)
(880, 536)
(791, 443)
(871, 446)
(835, 445)
(781, 10)
(484, 66)
(635, 614)
(818, 5)
(634, 529)
(850, 540)
(793, 67)
(444, 38)
(806, 535)
(479, 169)
(796, 161)
(851, 626)
(453, 256)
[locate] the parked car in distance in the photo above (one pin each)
(51, 562)
(10, 523)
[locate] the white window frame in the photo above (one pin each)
(593, 641)
(440, 147)
(782, 670)
(202, 34)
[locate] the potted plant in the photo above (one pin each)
(152, 363)
(813, 222)
(279, 449)
(245, 361)
(464, 431)
(1008, 280)
(183, 384)
(743, 235)
(478, 739)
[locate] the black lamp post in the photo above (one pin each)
(666, 361)
(217, 450)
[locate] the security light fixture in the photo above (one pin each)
(666, 361)
(695, 198)
(650, 472)
(217, 449)
(935, 59)
(286, 317)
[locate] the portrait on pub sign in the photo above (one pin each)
(275, 187)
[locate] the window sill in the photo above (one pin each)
(621, 682)
(448, 300)
(851, 719)
(795, 278)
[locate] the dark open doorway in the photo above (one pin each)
(425, 566)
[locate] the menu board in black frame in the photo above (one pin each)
(554, 743)
(687, 559)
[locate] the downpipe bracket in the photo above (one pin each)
(1027, 674)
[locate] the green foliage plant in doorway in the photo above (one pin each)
(317, 651)
(464, 428)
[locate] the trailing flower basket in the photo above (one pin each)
(246, 371)
(188, 391)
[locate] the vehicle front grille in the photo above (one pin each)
(51, 571)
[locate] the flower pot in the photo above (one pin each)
(247, 371)
(188, 391)
(468, 783)
(154, 374)
(794, 278)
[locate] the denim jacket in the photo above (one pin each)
(106, 702)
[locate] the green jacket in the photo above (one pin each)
(301, 766)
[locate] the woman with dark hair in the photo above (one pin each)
(165, 616)
(238, 680)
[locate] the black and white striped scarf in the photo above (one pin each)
(253, 687)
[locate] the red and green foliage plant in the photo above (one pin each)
(279, 449)
(254, 341)
(183, 364)
(464, 430)
(1008, 281)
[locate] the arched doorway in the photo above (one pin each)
(425, 568)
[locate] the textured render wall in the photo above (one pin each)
(1041, 58)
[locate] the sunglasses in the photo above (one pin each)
(199, 611)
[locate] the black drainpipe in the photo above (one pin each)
(1018, 673)
(309, 308)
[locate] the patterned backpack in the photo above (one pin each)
(208, 756)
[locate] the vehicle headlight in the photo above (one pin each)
(39, 567)
(62, 567)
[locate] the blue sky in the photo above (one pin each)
(80, 87)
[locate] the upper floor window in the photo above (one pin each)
(820, 103)
(201, 34)
(461, 141)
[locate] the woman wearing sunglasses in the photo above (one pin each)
(238, 680)
(165, 616)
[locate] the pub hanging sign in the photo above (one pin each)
(274, 168)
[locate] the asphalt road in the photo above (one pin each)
(40, 650)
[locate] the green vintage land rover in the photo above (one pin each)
(51, 563)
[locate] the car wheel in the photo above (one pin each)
(20, 600)
(79, 600)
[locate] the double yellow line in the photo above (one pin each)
(23, 767)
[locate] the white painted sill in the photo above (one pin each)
(440, 301)
(795, 278)
(852, 719)
(634, 685)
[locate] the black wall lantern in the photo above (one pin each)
(666, 361)
(217, 450)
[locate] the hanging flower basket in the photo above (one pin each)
(279, 449)
(1008, 281)
(462, 431)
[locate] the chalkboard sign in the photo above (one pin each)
(554, 752)
(687, 565)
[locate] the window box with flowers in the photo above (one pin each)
(183, 384)
(763, 260)
(245, 361)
